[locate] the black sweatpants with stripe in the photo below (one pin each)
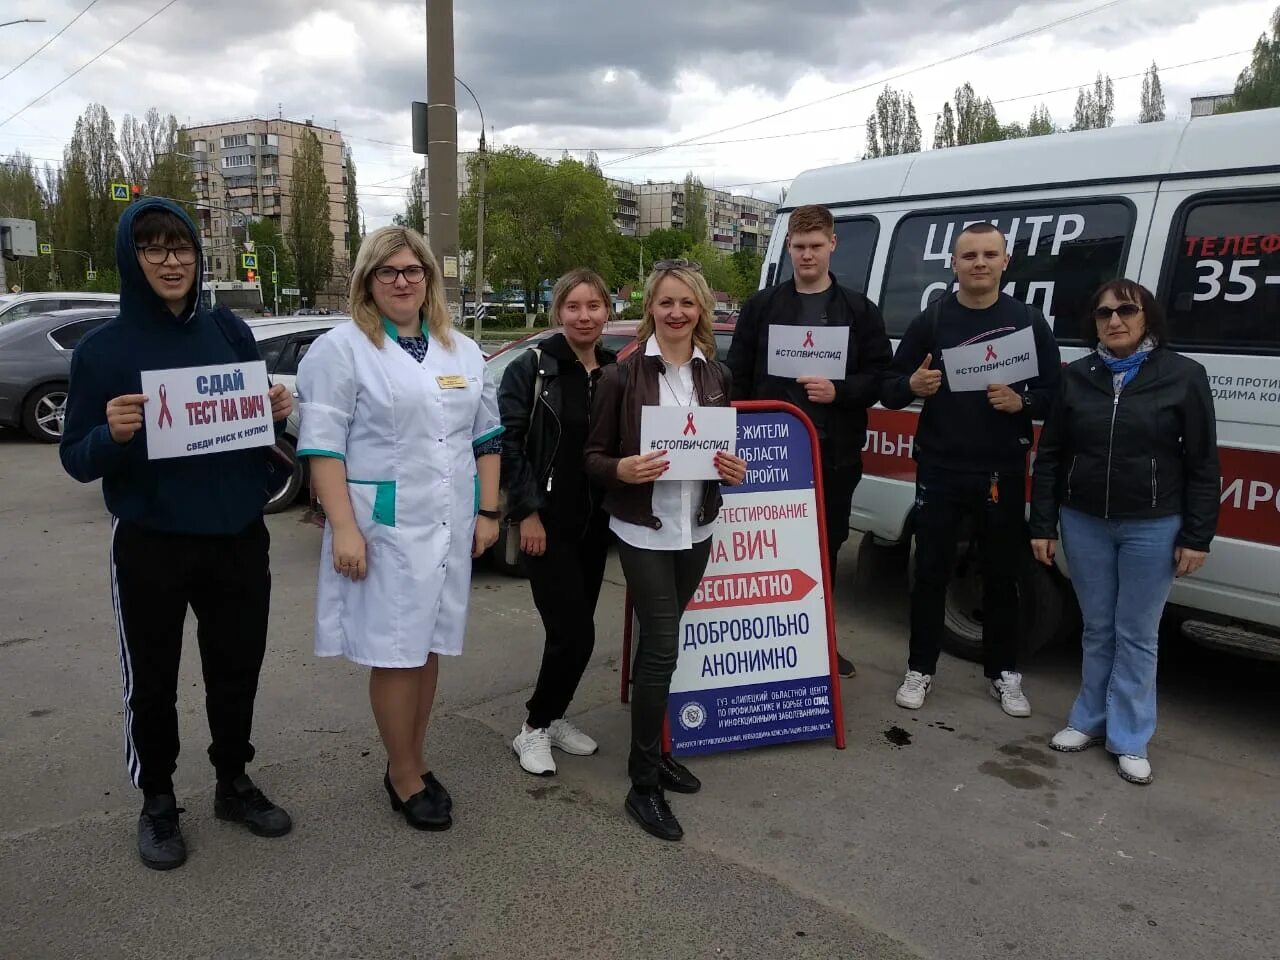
(226, 581)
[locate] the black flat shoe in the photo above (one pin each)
(654, 815)
(438, 791)
(420, 811)
(160, 842)
(240, 801)
(844, 666)
(676, 777)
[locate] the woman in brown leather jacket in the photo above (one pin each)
(663, 527)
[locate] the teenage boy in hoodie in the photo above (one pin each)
(186, 531)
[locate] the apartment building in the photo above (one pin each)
(626, 206)
(661, 207)
(733, 222)
(243, 169)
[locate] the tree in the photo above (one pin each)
(893, 127)
(88, 216)
(143, 142)
(265, 233)
(310, 236)
(415, 204)
(1152, 109)
(944, 132)
(1258, 85)
(747, 263)
(666, 245)
(717, 268)
(624, 261)
(1096, 108)
(1041, 122)
(171, 173)
(695, 208)
(541, 220)
(1013, 131)
(353, 210)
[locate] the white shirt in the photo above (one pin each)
(675, 502)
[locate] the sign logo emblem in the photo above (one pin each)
(689, 427)
(808, 338)
(693, 715)
(165, 415)
(991, 353)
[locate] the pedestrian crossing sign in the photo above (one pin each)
(120, 191)
(46, 249)
(249, 261)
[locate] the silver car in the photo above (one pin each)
(35, 366)
(15, 306)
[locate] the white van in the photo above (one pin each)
(1189, 209)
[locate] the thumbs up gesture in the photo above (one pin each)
(926, 382)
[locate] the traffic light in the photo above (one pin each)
(250, 275)
(137, 193)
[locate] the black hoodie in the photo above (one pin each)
(212, 493)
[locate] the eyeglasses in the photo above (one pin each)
(1124, 312)
(412, 274)
(678, 264)
(155, 254)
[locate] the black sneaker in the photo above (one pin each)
(676, 777)
(654, 815)
(160, 843)
(240, 801)
(844, 666)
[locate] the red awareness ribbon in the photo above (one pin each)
(164, 408)
(808, 338)
(689, 427)
(991, 352)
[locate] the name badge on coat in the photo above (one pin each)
(452, 381)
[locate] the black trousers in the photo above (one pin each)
(943, 498)
(662, 582)
(565, 582)
(838, 484)
(226, 581)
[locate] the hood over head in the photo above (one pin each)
(136, 296)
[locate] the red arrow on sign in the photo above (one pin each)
(749, 589)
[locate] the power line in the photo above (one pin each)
(866, 86)
(50, 40)
(89, 63)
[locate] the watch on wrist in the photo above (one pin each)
(489, 514)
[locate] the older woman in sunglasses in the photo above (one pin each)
(1127, 468)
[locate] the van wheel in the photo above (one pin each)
(1043, 615)
(43, 413)
(287, 495)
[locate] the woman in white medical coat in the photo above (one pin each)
(401, 427)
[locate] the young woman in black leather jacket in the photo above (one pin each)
(545, 401)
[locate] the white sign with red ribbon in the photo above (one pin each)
(691, 436)
(1004, 360)
(198, 410)
(808, 351)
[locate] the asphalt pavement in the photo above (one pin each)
(952, 833)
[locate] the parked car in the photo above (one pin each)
(15, 306)
(35, 366)
(283, 342)
(619, 336)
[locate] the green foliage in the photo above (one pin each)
(624, 260)
(310, 236)
(23, 195)
(748, 264)
(893, 127)
(542, 219)
(665, 245)
(944, 131)
(1152, 107)
(353, 211)
(1258, 85)
(415, 203)
(265, 233)
(1041, 122)
(1095, 108)
(695, 208)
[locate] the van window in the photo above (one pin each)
(851, 262)
(1062, 252)
(1224, 275)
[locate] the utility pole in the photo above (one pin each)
(442, 147)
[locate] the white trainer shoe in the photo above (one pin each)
(1135, 769)
(1008, 690)
(915, 687)
(565, 736)
(1071, 740)
(533, 747)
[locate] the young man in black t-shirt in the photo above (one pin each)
(971, 446)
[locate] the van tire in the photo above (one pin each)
(1046, 611)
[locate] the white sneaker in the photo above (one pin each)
(1071, 740)
(533, 747)
(913, 690)
(1008, 690)
(565, 736)
(1135, 769)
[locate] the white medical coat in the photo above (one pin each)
(407, 440)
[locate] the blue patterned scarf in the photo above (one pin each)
(1124, 369)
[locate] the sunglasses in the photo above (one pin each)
(1124, 312)
(678, 264)
(155, 254)
(389, 275)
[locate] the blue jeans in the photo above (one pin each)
(1122, 571)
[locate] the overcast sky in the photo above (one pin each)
(555, 74)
